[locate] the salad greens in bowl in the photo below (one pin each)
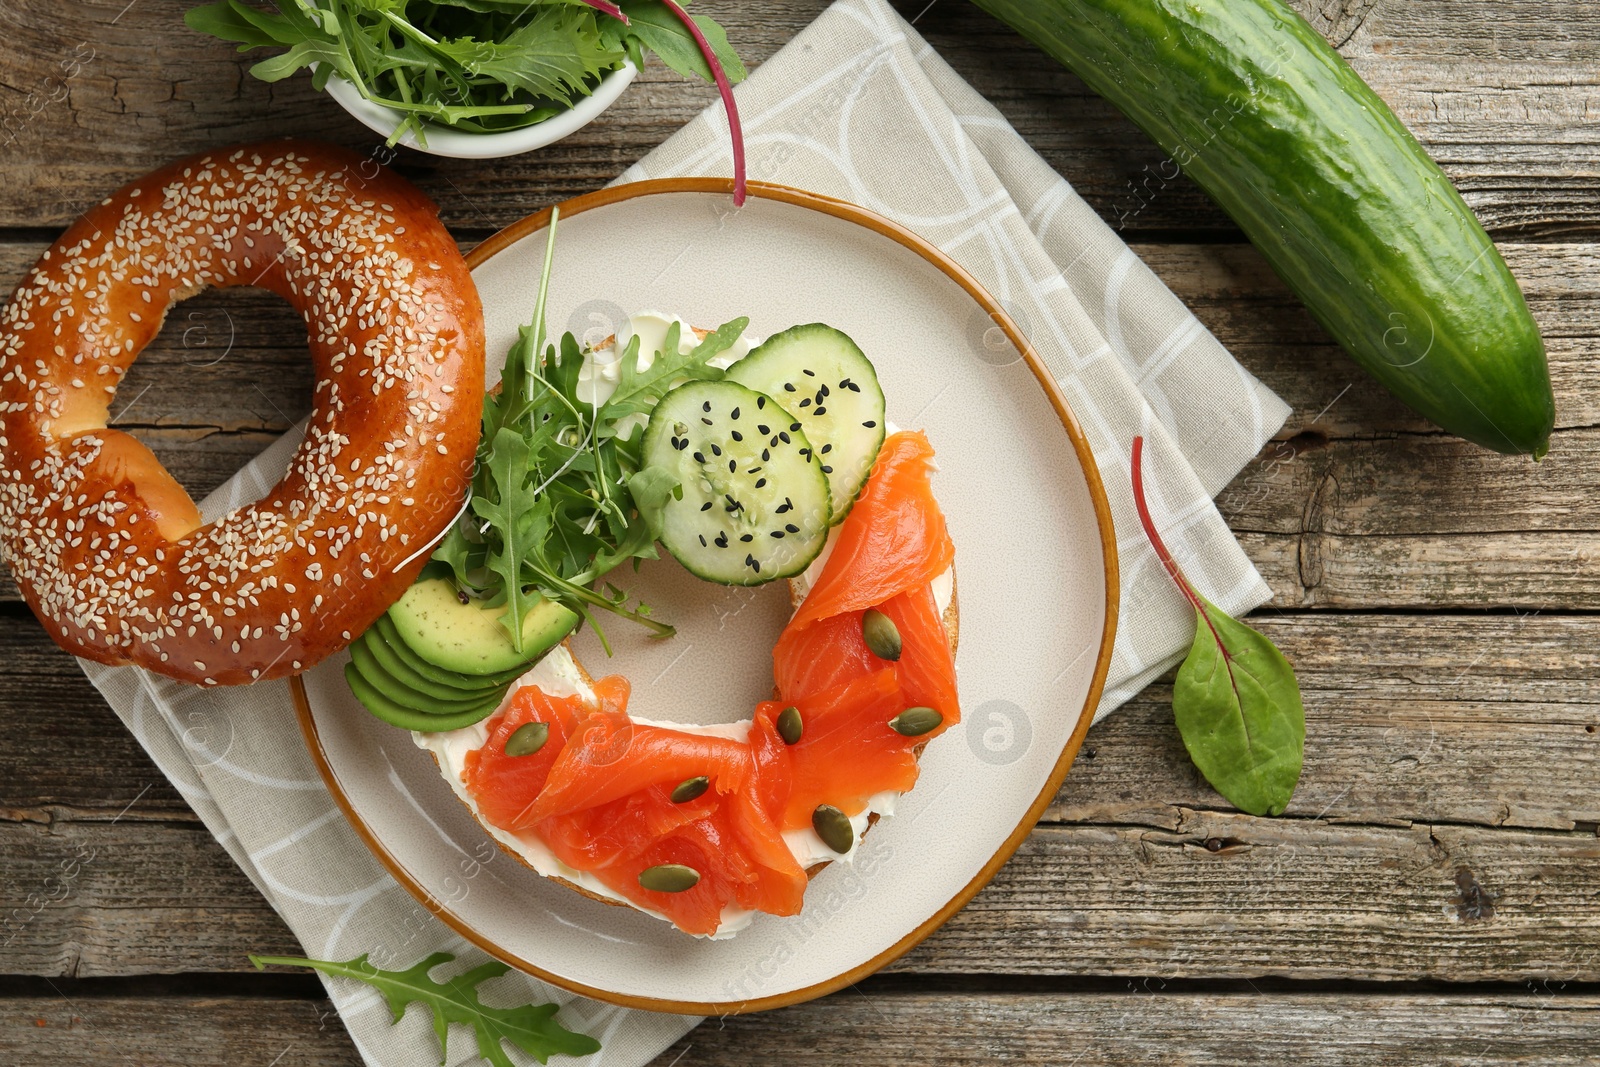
(474, 78)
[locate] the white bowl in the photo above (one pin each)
(458, 144)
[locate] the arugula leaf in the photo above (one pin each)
(1236, 700)
(651, 488)
(531, 1027)
(512, 509)
(638, 390)
(554, 55)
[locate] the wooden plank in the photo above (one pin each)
(1504, 108)
(82, 900)
(69, 755)
(1236, 295)
(191, 1031)
(1150, 1023)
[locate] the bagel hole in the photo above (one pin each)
(719, 664)
(228, 373)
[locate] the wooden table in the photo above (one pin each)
(1433, 894)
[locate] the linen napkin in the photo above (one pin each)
(859, 107)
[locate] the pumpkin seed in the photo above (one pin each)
(881, 634)
(669, 878)
(834, 827)
(690, 788)
(914, 722)
(790, 726)
(527, 739)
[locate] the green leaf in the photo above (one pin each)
(651, 488)
(1236, 701)
(511, 510)
(531, 1027)
(654, 24)
(554, 55)
(638, 390)
(1238, 708)
(233, 21)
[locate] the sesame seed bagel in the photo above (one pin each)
(107, 548)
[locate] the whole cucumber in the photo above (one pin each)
(1250, 101)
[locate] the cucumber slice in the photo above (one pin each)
(755, 503)
(406, 718)
(467, 637)
(819, 375)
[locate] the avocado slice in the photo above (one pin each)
(403, 695)
(395, 664)
(384, 632)
(407, 718)
(468, 637)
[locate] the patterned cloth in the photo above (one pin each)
(859, 107)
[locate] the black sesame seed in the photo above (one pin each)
(706, 406)
(761, 402)
(699, 457)
(806, 452)
(763, 427)
(806, 402)
(809, 373)
(761, 483)
(736, 413)
(753, 470)
(722, 540)
(826, 469)
(737, 436)
(777, 533)
(733, 465)
(791, 527)
(870, 423)
(706, 506)
(784, 437)
(826, 449)
(821, 411)
(703, 536)
(822, 390)
(788, 387)
(747, 538)
(715, 451)
(765, 455)
(705, 420)
(794, 426)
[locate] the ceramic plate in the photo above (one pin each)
(1036, 568)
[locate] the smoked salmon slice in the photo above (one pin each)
(847, 751)
(504, 785)
(893, 540)
(653, 755)
(926, 669)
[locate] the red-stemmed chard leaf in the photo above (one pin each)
(721, 76)
(1235, 700)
